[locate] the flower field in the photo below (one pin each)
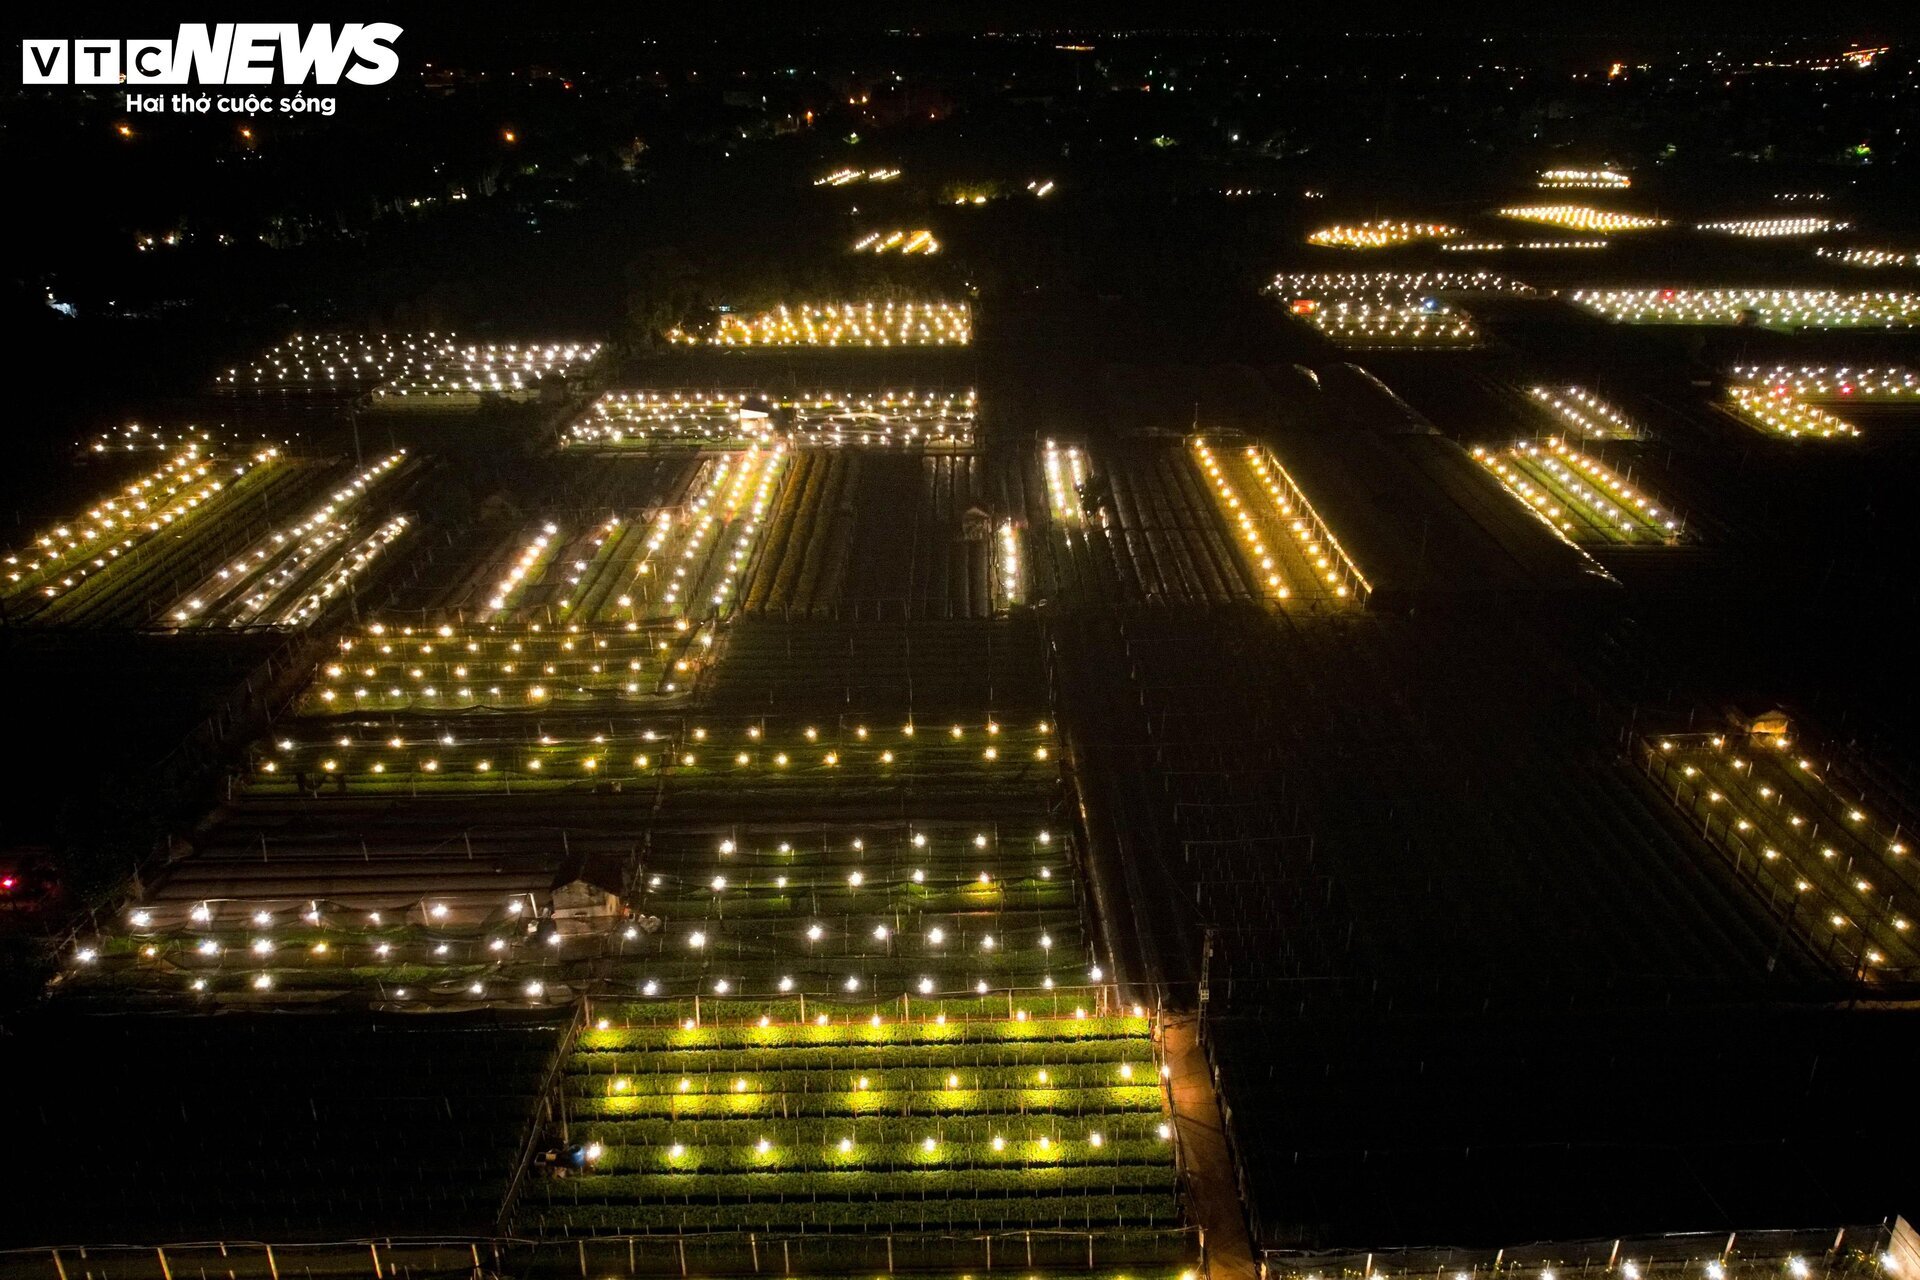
(205, 541)
(1361, 324)
(1287, 545)
(1769, 308)
(1588, 179)
(1580, 412)
(1388, 309)
(644, 420)
(847, 324)
(720, 419)
(1043, 1121)
(1798, 400)
(679, 560)
(1385, 233)
(636, 751)
(851, 527)
(935, 919)
(1780, 413)
(905, 242)
(1197, 524)
(1580, 496)
(404, 370)
(1831, 866)
(463, 375)
(1838, 383)
(1581, 217)
(764, 759)
(504, 668)
(288, 576)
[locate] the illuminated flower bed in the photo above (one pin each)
(1773, 228)
(648, 419)
(286, 577)
(463, 376)
(868, 324)
(1835, 870)
(1780, 413)
(1586, 414)
(1588, 179)
(1771, 308)
(1383, 234)
(904, 243)
(1581, 217)
(1582, 497)
(1288, 546)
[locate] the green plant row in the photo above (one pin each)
(1065, 1001)
(593, 1072)
(821, 894)
(917, 1032)
(1029, 1211)
(748, 967)
(929, 1077)
(863, 1184)
(959, 1141)
(875, 1101)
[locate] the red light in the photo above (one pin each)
(8, 882)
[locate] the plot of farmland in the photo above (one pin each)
(675, 554)
(275, 1128)
(1132, 522)
(901, 535)
(1829, 865)
(1580, 496)
(200, 541)
(1051, 1120)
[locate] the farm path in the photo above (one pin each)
(1209, 1164)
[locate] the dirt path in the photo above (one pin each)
(1215, 1197)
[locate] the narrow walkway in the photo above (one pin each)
(1215, 1195)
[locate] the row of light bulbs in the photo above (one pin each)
(1590, 179)
(907, 243)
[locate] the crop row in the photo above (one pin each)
(290, 571)
(597, 1070)
(152, 556)
(56, 559)
(1136, 524)
(481, 756)
(708, 1035)
(928, 1214)
(870, 1174)
(737, 418)
(508, 669)
(1841, 878)
(642, 1080)
(1288, 550)
(847, 1101)
(679, 560)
